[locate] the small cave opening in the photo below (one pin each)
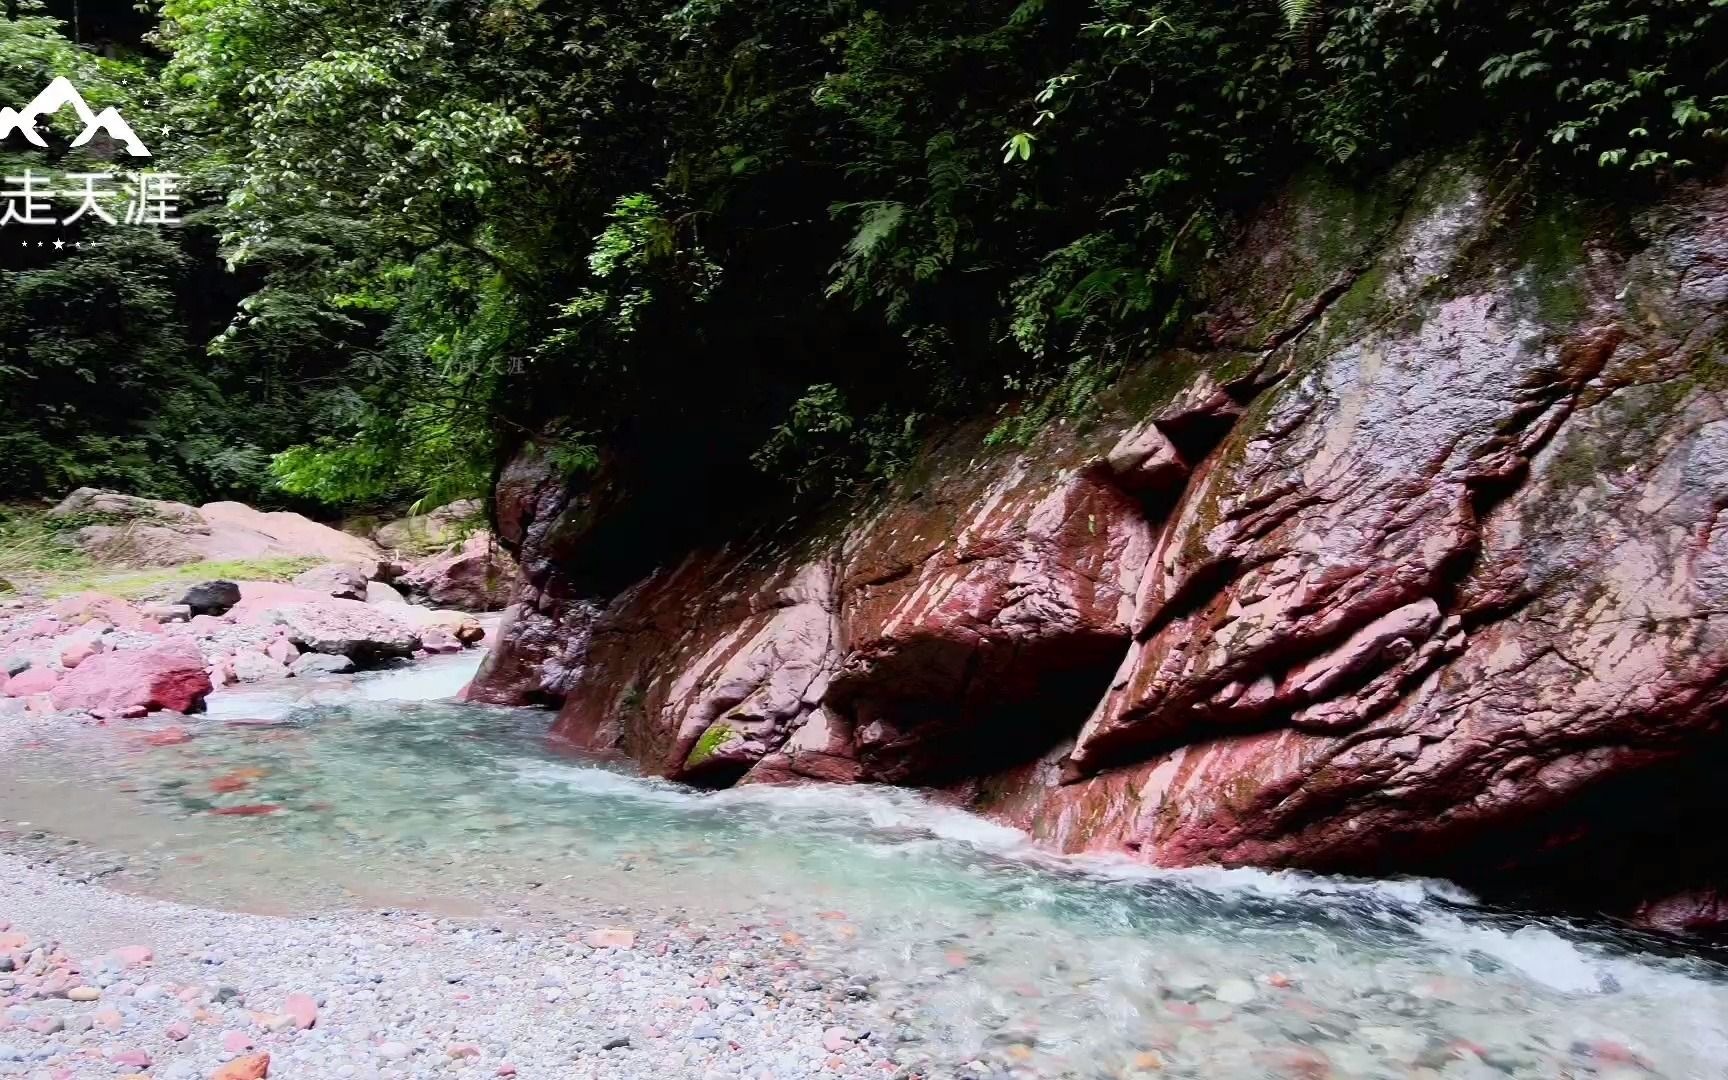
(1011, 707)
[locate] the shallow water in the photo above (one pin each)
(1051, 966)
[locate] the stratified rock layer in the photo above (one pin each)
(1409, 563)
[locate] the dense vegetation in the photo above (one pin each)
(707, 236)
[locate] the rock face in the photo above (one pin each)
(1409, 561)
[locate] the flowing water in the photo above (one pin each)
(1060, 967)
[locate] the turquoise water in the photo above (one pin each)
(1054, 966)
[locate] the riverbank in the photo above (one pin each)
(178, 992)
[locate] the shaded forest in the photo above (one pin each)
(738, 244)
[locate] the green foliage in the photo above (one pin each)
(700, 234)
(31, 542)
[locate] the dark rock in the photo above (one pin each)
(211, 597)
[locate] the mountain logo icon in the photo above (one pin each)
(61, 92)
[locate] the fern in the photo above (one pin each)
(1299, 14)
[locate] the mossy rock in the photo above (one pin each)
(708, 745)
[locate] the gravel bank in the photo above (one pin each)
(106, 984)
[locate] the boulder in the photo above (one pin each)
(96, 607)
(251, 666)
(36, 680)
(79, 648)
(282, 651)
(211, 597)
(433, 531)
(169, 675)
(335, 579)
(435, 640)
(460, 625)
(140, 545)
(350, 628)
(147, 532)
(478, 577)
(313, 664)
(259, 598)
(166, 613)
(112, 504)
(384, 594)
(239, 531)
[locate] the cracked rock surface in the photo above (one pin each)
(1408, 562)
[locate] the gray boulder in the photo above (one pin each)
(335, 579)
(314, 664)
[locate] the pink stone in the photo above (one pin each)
(138, 1059)
(37, 680)
(610, 938)
(165, 676)
(177, 1031)
(302, 1008)
(836, 1039)
(108, 1017)
(236, 1042)
(505, 1069)
(133, 955)
(282, 651)
(79, 650)
(463, 1050)
(698, 1004)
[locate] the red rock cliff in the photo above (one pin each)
(1413, 566)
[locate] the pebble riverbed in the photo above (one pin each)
(115, 985)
